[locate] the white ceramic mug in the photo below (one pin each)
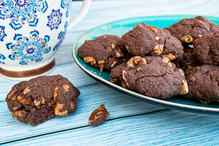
(31, 32)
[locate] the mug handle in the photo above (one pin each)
(80, 15)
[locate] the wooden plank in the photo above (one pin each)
(162, 128)
(101, 13)
(118, 105)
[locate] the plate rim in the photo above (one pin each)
(150, 100)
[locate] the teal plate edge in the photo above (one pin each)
(119, 28)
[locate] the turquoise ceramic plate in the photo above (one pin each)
(121, 27)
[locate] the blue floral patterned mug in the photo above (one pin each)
(31, 32)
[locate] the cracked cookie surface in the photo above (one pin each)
(206, 49)
(152, 76)
(101, 52)
(203, 84)
(189, 29)
(42, 98)
(150, 40)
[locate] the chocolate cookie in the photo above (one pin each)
(187, 63)
(149, 40)
(203, 84)
(42, 98)
(206, 49)
(187, 30)
(101, 52)
(151, 75)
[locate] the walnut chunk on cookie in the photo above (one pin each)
(42, 98)
(101, 52)
(144, 40)
(188, 30)
(99, 116)
(157, 77)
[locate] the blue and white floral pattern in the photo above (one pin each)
(2, 33)
(61, 37)
(55, 19)
(2, 57)
(66, 4)
(21, 12)
(28, 50)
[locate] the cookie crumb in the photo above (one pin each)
(99, 116)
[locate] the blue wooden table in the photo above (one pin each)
(131, 122)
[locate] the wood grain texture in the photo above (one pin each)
(91, 97)
(163, 128)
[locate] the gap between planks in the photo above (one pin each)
(122, 117)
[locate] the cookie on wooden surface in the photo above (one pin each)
(42, 98)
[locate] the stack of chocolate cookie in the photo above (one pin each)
(154, 61)
(200, 62)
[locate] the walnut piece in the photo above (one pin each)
(158, 49)
(134, 61)
(200, 21)
(119, 53)
(167, 60)
(184, 89)
(113, 64)
(197, 68)
(55, 93)
(192, 78)
(24, 101)
(109, 49)
(169, 55)
(26, 90)
(154, 29)
(39, 102)
(182, 72)
(157, 38)
(99, 116)
(187, 39)
(59, 107)
(15, 108)
(90, 60)
(124, 78)
(114, 80)
(113, 46)
(11, 93)
(101, 64)
(20, 113)
(72, 105)
(66, 87)
(127, 48)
